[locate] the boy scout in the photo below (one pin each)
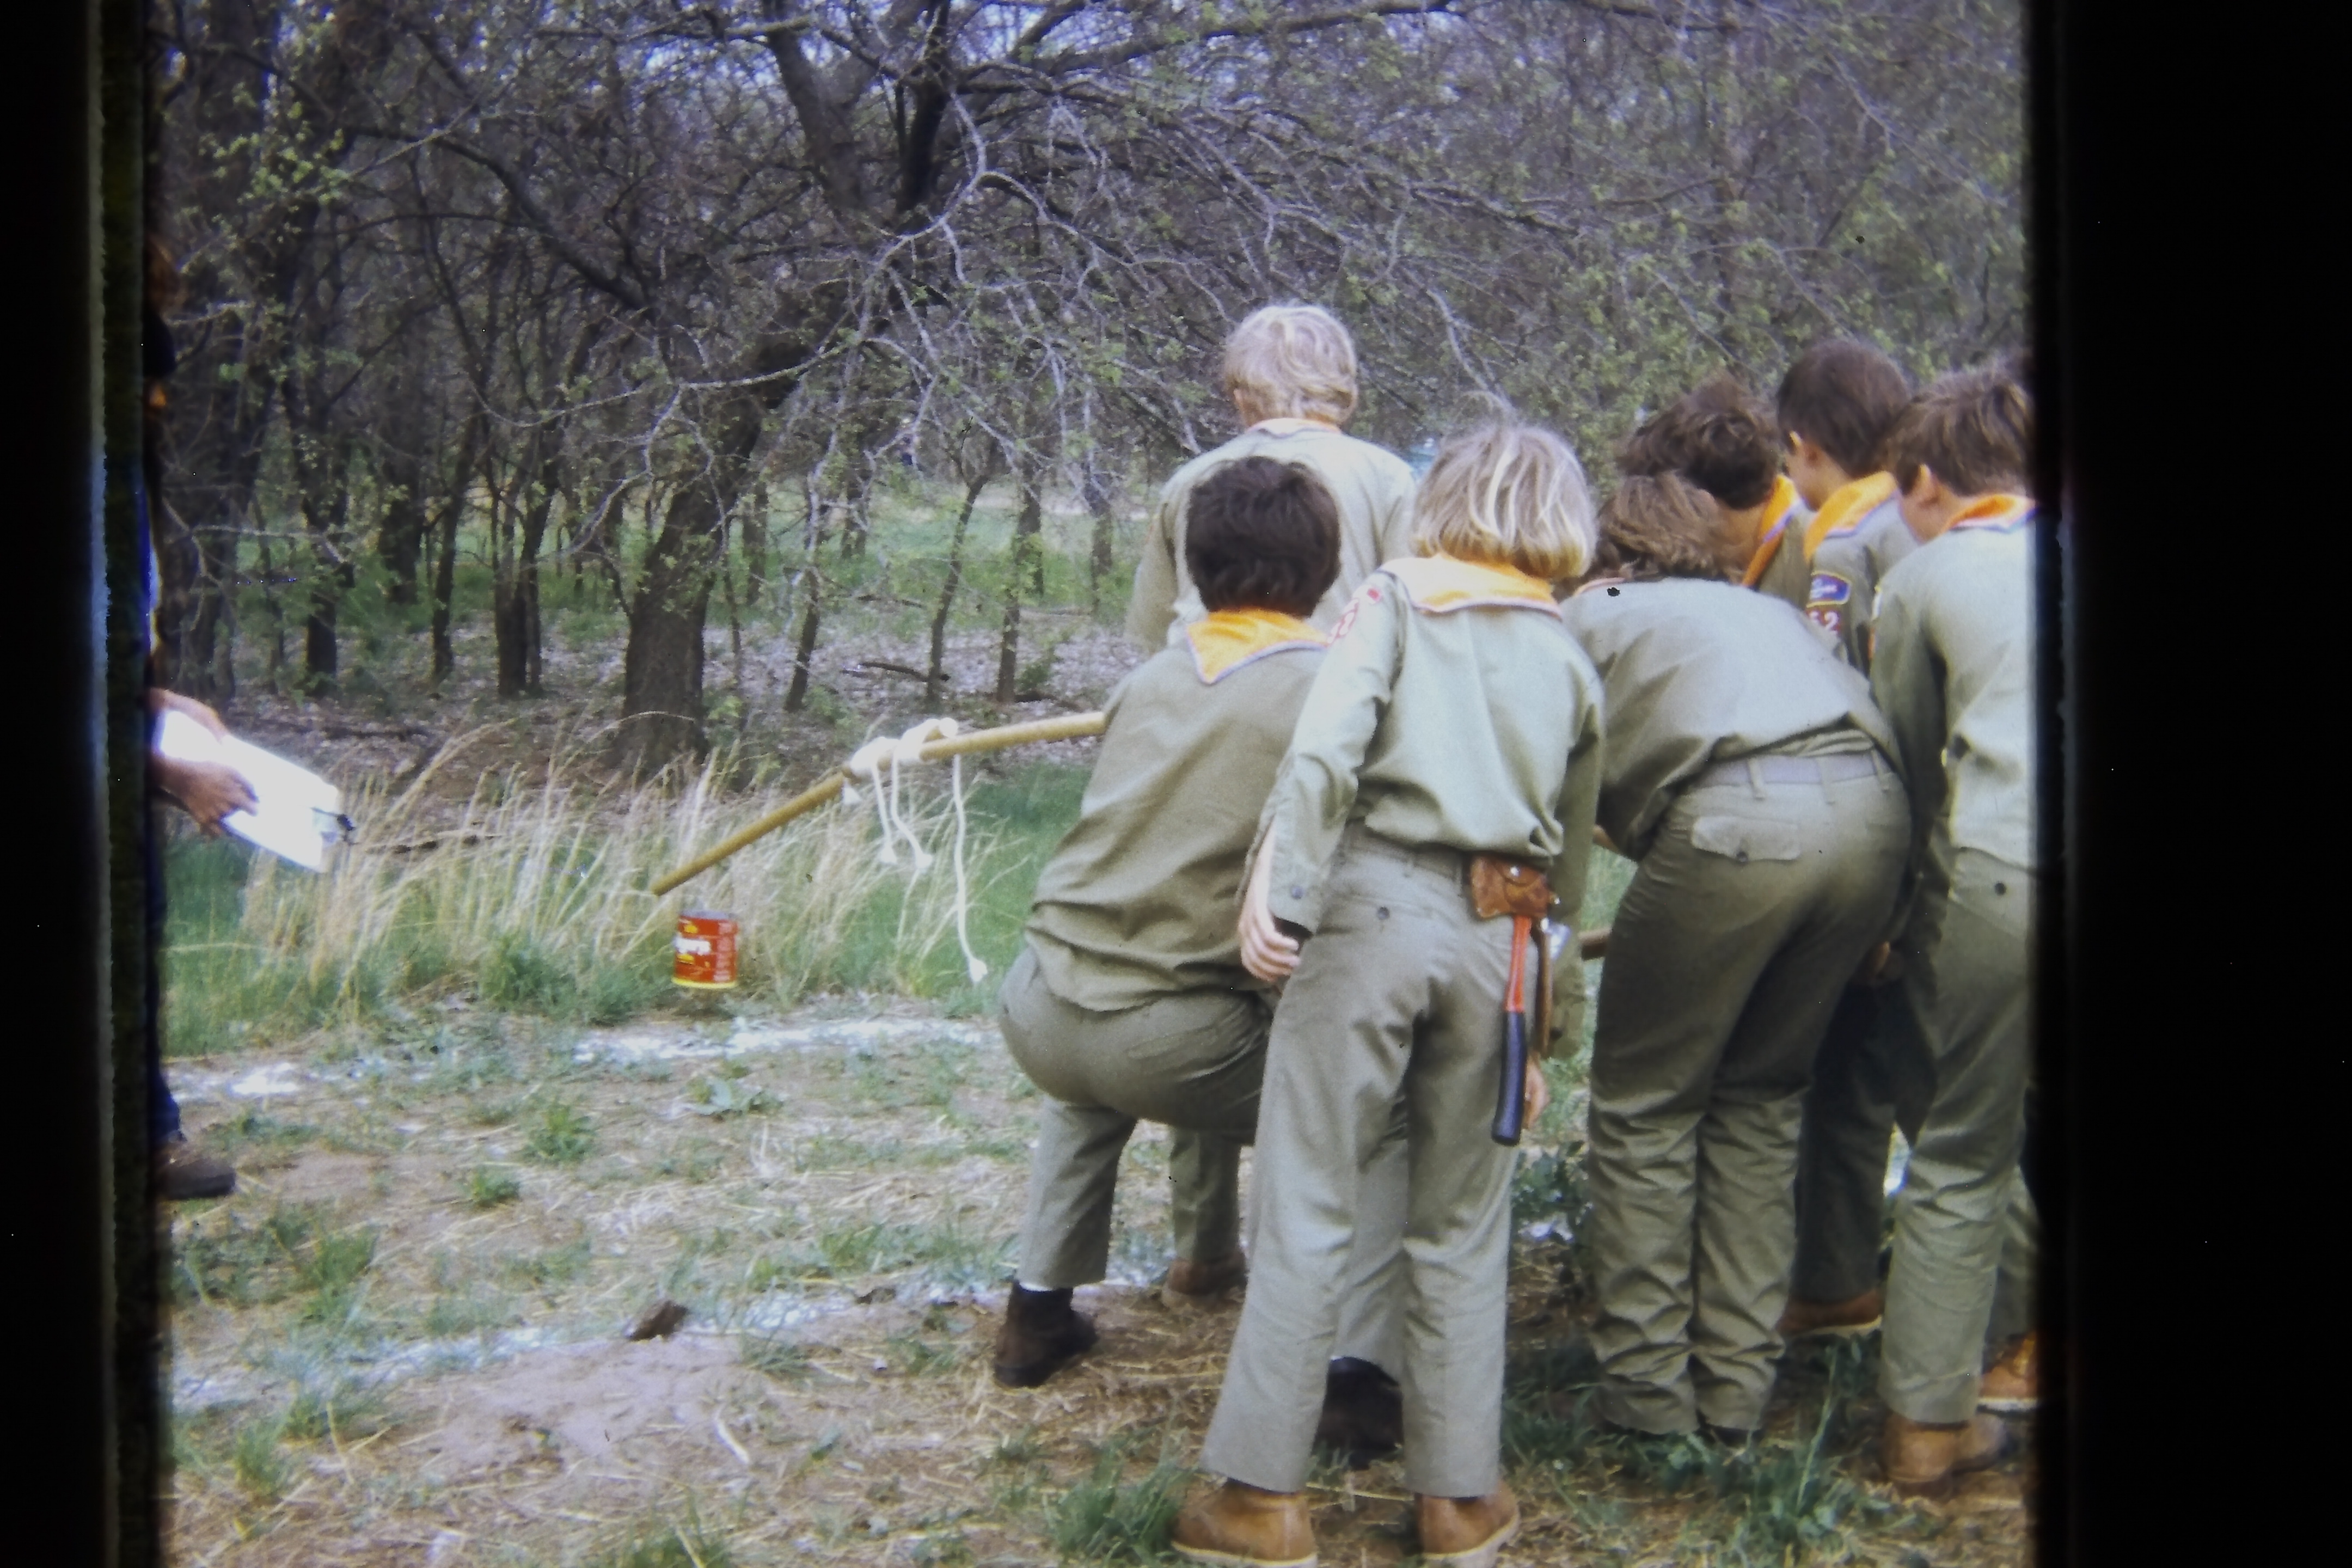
(1129, 1000)
(1450, 747)
(1717, 438)
(1769, 828)
(1290, 371)
(1953, 671)
(1836, 404)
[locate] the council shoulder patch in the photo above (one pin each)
(1828, 588)
(1347, 616)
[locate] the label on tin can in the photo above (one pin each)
(706, 950)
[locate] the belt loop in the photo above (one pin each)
(1755, 777)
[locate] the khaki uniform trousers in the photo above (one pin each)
(1193, 1061)
(1398, 997)
(1964, 1230)
(1873, 1074)
(1740, 929)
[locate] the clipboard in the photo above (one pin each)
(296, 815)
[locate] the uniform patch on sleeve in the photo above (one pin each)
(1347, 616)
(1825, 602)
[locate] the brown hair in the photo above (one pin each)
(1260, 535)
(1661, 526)
(1974, 428)
(1715, 436)
(1507, 494)
(1844, 396)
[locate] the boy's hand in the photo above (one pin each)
(159, 701)
(1267, 952)
(209, 791)
(1537, 1092)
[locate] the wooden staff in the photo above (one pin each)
(1067, 728)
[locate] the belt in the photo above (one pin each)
(1453, 865)
(1830, 769)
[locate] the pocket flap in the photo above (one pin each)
(1744, 840)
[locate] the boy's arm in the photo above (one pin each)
(1394, 524)
(1315, 790)
(1153, 603)
(1579, 799)
(1906, 681)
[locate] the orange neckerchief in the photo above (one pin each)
(1847, 505)
(1440, 583)
(1225, 640)
(1995, 510)
(1770, 524)
(1288, 426)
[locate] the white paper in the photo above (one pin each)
(297, 814)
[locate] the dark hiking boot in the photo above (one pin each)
(1196, 1286)
(181, 1173)
(1856, 1315)
(1042, 1332)
(1363, 1411)
(2012, 1383)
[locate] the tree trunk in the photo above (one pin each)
(1027, 548)
(444, 587)
(813, 584)
(755, 545)
(935, 674)
(1100, 497)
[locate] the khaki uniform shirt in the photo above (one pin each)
(1453, 712)
(1778, 569)
(1953, 671)
(1143, 896)
(1850, 564)
(1698, 673)
(1372, 486)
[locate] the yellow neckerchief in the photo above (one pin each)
(1996, 510)
(1225, 640)
(1288, 426)
(1440, 583)
(1847, 505)
(1770, 524)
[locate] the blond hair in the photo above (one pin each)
(1508, 494)
(1292, 362)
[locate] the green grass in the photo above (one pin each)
(487, 1186)
(1101, 1520)
(561, 1135)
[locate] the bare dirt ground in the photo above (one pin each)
(403, 1341)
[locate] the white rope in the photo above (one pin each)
(905, 751)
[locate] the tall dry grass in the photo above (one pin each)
(533, 897)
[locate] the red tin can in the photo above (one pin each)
(706, 950)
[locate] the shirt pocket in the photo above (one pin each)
(1744, 838)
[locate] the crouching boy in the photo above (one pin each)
(1130, 1001)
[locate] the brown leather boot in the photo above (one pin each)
(1856, 1315)
(1239, 1523)
(1198, 1285)
(1926, 1458)
(1363, 1411)
(2012, 1383)
(1041, 1332)
(1467, 1533)
(181, 1174)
